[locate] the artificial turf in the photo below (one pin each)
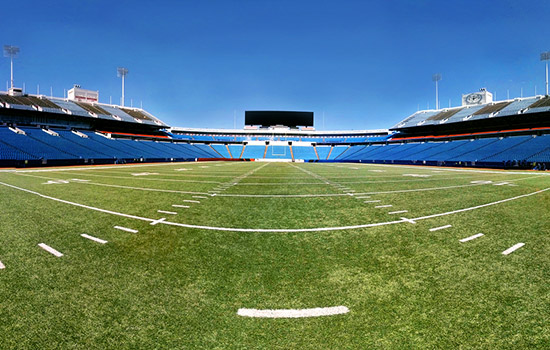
(180, 287)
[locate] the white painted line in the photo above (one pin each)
(362, 197)
(80, 180)
(471, 237)
(513, 248)
(294, 313)
(203, 197)
(411, 221)
(440, 228)
(190, 201)
(98, 240)
(157, 221)
(2, 266)
(213, 194)
(167, 212)
(398, 212)
(127, 229)
(180, 206)
(373, 201)
(278, 230)
(50, 250)
(384, 206)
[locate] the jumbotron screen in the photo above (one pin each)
(286, 118)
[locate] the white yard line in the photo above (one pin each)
(513, 248)
(180, 206)
(398, 212)
(95, 239)
(157, 221)
(128, 229)
(167, 212)
(384, 206)
(294, 313)
(190, 201)
(440, 228)
(316, 229)
(373, 201)
(471, 237)
(50, 250)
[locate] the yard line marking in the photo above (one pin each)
(200, 197)
(167, 212)
(384, 206)
(128, 229)
(98, 240)
(180, 206)
(398, 212)
(80, 180)
(264, 230)
(373, 201)
(362, 197)
(411, 221)
(144, 174)
(440, 228)
(513, 248)
(471, 237)
(2, 266)
(157, 221)
(213, 194)
(50, 250)
(294, 313)
(190, 201)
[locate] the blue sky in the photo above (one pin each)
(361, 64)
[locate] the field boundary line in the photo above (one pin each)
(316, 229)
(294, 313)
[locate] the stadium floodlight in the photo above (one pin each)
(545, 56)
(11, 52)
(121, 73)
(436, 77)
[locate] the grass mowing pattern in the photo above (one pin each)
(172, 287)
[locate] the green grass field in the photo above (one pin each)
(274, 236)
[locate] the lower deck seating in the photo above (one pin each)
(489, 150)
(38, 145)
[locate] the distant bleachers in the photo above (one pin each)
(304, 152)
(253, 152)
(489, 150)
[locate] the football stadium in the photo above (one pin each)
(119, 229)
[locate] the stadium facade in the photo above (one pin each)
(37, 130)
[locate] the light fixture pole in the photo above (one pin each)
(436, 78)
(11, 52)
(122, 72)
(545, 56)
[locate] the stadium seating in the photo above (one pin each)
(253, 152)
(304, 152)
(222, 150)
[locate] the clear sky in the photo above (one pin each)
(361, 64)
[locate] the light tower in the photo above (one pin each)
(11, 52)
(122, 72)
(436, 77)
(545, 56)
